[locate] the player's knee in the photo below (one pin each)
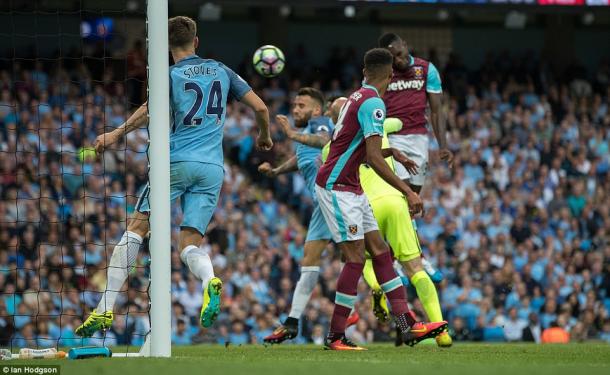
(375, 244)
(376, 249)
(138, 223)
(311, 259)
(413, 266)
(312, 253)
(190, 237)
(354, 257)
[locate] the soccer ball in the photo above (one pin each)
(268, 61)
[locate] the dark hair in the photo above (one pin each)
(386, 39)
(331, 99)
(182, 31)
(377, 58)
(313, 93)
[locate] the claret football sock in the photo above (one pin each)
(345, 297)
(391, 283)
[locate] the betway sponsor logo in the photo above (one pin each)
(415, 84)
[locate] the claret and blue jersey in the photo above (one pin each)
(362, 116)
(199, 90)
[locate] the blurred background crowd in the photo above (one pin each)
(519, 226)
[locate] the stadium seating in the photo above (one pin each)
(516, 138)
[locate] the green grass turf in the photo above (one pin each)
(470, 359)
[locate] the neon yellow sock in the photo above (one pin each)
(369, 275)
(426, 291)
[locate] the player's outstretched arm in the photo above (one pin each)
(376, 160)
(409, 164)
(313, 140)
(288, 166)
(136, 120)
(438, 125)
(263, 141)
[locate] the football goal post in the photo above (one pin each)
(160, 236)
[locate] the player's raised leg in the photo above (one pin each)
(123, 258)
(198, 204)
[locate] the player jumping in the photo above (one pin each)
(346, 209)
(415, 84)
(198, 98)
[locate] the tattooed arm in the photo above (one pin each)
(317, 140)
(136, 120)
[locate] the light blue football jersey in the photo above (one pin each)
(199, 90)
(308, 158)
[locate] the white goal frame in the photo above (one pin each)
(158, 342)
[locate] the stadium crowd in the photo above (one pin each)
(519, 226)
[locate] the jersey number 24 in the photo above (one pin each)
(214, 106)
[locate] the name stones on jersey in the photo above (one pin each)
(415, 84)
(196, 70)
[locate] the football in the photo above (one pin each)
(268, 61)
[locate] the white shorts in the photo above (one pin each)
(348, 215)
(415, 146)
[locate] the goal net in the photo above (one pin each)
(67, 74)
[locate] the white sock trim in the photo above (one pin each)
(199, 263)
(310, 269)
(185, 252)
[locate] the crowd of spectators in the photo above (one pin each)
(519, 226)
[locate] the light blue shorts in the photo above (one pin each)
(198, 186)
(318, 230)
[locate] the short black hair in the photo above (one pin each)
(377, 58)
(331, 99)
(313, 93)
(386, 39)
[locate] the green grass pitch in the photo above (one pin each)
(470, 359)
